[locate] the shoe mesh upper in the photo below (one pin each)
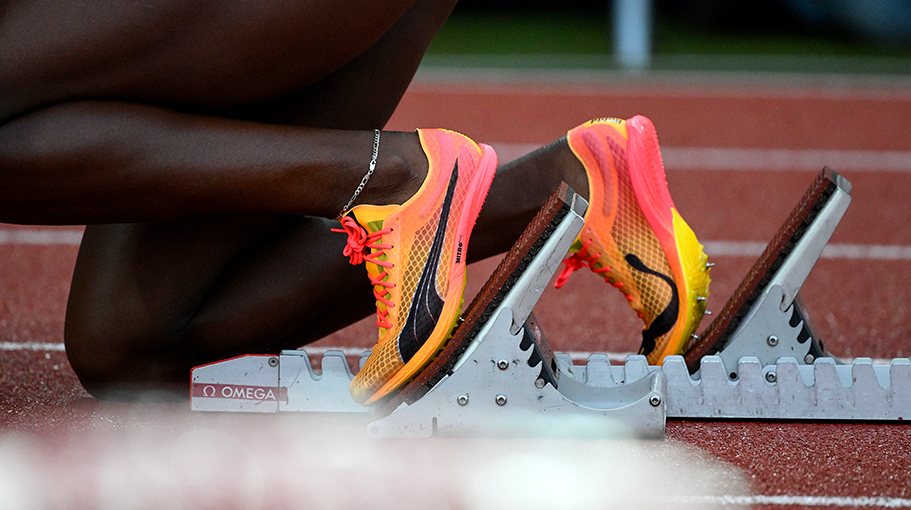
(619, 227)
(633, 235)
(414, 227)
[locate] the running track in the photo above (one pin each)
(739, 153)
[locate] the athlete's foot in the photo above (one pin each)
(415, 254)
(401, 157)
(634, 237)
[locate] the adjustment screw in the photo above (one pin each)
(462, 399)
(655, 400)
(501, 400)
(539, 383)
(772, 340)
(273, 362)
(771, 377)
(502, 364)
(809, 359)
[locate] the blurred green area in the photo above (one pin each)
(527, 32)
(579, 36)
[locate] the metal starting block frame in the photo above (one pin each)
(496, 376)
(759, 359)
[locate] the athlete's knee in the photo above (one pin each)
(116, 356)
(98, 354)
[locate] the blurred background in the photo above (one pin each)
(842, 36)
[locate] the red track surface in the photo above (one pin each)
(861, 306)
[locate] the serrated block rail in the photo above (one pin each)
(825, 390)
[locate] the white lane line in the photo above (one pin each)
(717, 158)
(802, 501)
(831, 251)
(31, 346)
(722, 76)
(58, 346)
(734, 248)
(41, 236)
(734, 159)
(866, 251)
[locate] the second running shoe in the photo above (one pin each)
(633, 235)
(415, 258)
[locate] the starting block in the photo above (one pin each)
(759, 359)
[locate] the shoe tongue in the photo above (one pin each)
(371, 217)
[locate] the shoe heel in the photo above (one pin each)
(646, 170)
(479, 188)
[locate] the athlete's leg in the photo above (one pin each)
(518, 192)
(151, 300)
(100, 141)
(199, 55)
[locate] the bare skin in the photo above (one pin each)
(206, 144)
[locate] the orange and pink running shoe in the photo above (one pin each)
(633, 235)
(415, 258)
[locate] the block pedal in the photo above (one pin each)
(765, 316)
(498, 376)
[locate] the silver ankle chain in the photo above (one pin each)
(372, 167)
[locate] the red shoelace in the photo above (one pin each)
(577, 261)
(581, 259)
(358, 242)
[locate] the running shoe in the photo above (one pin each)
(633, 235)
(415, 258)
